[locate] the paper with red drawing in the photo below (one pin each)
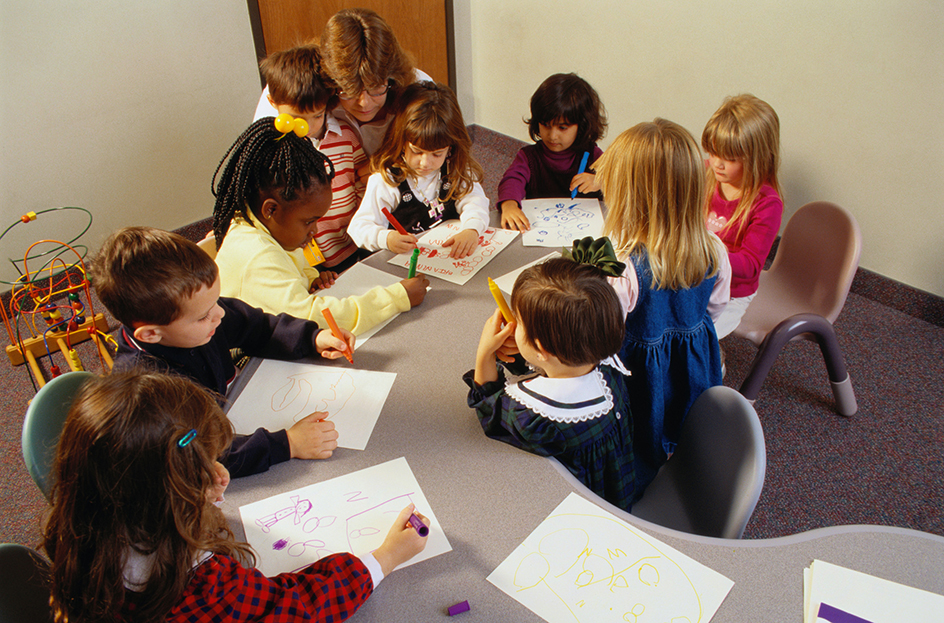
(434, 260)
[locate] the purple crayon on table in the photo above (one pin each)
(459, 608)
(418, 525)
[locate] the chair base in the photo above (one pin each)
(822, 330)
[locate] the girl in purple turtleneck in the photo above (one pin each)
(567, 119)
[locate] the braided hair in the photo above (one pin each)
(264, 159)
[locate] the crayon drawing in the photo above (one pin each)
(434, 258)
(583, 564)
(352, 513)
(558, 222)
(281, 393)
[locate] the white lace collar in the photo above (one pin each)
(137, 567)
(576, 399)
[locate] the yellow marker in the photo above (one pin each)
(500, 299)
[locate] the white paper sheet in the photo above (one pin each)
(558, 222)
(584, 564)
(351, 513)
(868, 597)
(356, 281)
(506, 283)
(434, 258)
(282, 392)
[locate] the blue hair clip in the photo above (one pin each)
(186, 439)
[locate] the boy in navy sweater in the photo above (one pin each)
(165, 291)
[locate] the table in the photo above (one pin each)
(489, 496)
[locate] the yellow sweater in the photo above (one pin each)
(256, 269)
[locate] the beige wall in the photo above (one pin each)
(858, 86)
(123, 108)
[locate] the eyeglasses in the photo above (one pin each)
(375, 92)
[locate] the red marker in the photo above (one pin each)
(396, 224)
(336, 331)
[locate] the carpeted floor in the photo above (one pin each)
(885, 465)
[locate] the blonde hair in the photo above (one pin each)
(653, 185)
(745, 128)
(428, 116)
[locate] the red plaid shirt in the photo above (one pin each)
(328, 591)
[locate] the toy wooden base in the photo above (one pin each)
(36, 347)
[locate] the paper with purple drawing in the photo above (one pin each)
(558, 222)
(851, 595)
(584, 565)
(281, 393)
(351, 513)
(434, 259)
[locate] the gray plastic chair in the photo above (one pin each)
(712, 482)
(43, 424)
(24, 585)
(802, 294)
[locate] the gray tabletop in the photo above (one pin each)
(489, 496)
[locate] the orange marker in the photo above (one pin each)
(336, 331)
(500, 299)
(396, 224)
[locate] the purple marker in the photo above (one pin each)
(418, 525)
(459, 608)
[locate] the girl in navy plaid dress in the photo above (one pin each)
(568, 325)
(135, 534)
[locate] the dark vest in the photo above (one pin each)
(416, 215)
(546, 183)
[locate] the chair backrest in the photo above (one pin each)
(43, 424)
(24, 585)
(208, 244)
(816, 260)
(712, 482)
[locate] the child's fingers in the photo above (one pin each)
(317, 416)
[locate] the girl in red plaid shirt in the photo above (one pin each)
(135, 532)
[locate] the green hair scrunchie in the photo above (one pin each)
(597, 253)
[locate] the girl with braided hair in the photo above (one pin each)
(271, 188)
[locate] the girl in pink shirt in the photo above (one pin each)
(743, 203)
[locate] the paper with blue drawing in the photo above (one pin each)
(584, 564)
(352, 513)
(558, 222)
(281, 393)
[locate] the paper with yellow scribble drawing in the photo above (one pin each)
(434, 260)
(281, 393)
(352, 513)
(583, 564)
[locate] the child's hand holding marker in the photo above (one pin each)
(336, 332)
(403, 542)
(416, 289)
(497, 341)
(333, 346)
(398, 240)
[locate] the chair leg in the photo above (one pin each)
(825, 336)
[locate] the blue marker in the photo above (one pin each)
(583, 167)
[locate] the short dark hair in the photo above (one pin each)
(570, 309)
(143, 275)
(295, 79)
(569, 98)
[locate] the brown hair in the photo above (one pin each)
(143, 275)
(570, 309)
(429, 117)
(571, 99)
(745, 128)
(653, 183)
(294, 78)
(359, 51)
(122, 482)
